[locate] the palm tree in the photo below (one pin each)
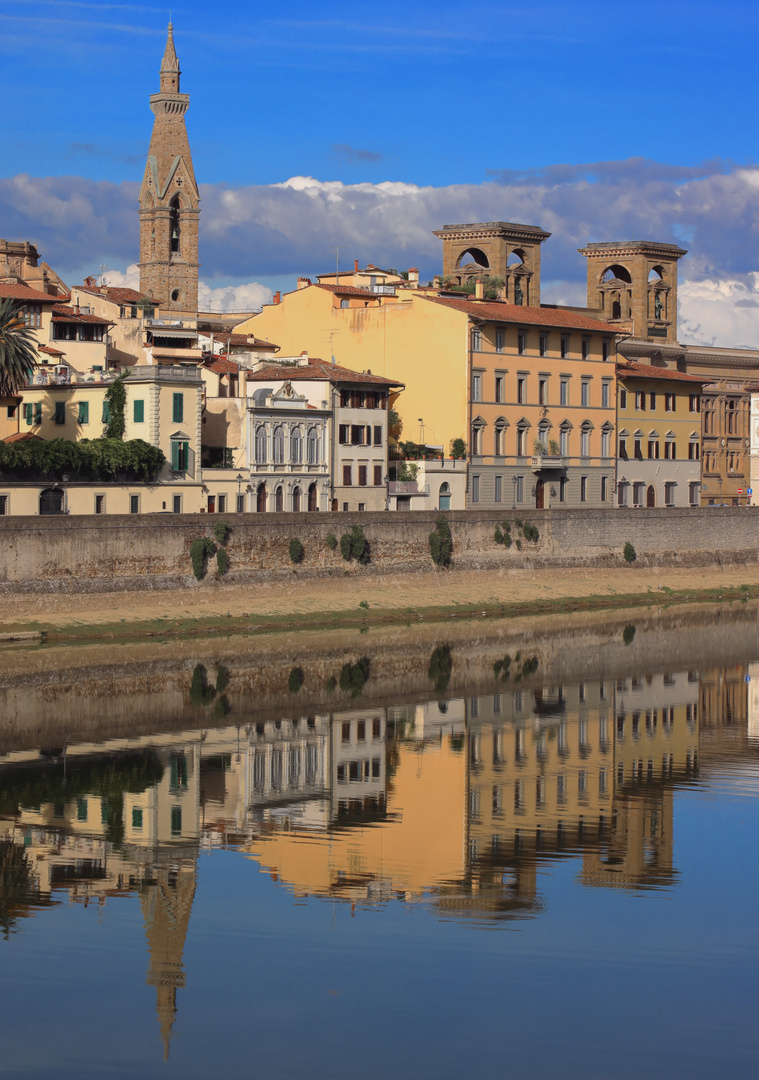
(18, 348)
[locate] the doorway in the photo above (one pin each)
(51, 501)
(540, 495)
(650, 497)
(312, 498)
(296, 500)
(261, 499)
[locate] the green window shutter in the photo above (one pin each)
(175, 451)
(84, 412)
(60, 412)
(178, 410)
(106, 412)
(184, 457)
(38, 413)
(139, 412)
(28, 412)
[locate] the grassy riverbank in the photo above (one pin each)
(364, 602)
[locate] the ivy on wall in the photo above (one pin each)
(90, 459)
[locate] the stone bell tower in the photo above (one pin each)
(169, 201)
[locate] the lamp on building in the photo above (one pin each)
(514, 500)
(239, 479)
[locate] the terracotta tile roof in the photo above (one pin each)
(221, 365)
(22, 436)
(49, 350)
(11, 291)
(648, 371)
(499, 311)
(348, 290)
(318, 369)
(70, 314)
(116, 295)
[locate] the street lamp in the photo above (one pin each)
(240, 479)
(514, 500)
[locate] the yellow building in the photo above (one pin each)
(659, 436)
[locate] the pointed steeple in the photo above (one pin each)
(170, 66)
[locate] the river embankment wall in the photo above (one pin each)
(101, 554)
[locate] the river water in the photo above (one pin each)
(529, 862)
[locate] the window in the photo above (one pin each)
(139, 412)
(564, 442)
(222, 504)
(693, 449)
(694, 403)
(477, 387)
(3, 505)
(59, 416)
(100, 504)
(378, 434)
(669, 494)
(563, 489)
(261, 445)
(362, 475)
(622, 493)
(134, 504)
(669, 402)
(693, 492)
(176, 820)
(498, 497)
(500, 340)
(583, 489)
(640, 401)
(347, 475)
(519, 488)
(477, 340)
(136, 817)
(652, 400)
(28, 412)
(345, 303)
(33, 315)
(475, 489)
(543, 391)
(180, 454)
(623, 448)
(240, 504)
(345, 399)
(639, 490)
(84, 412)
(604, 488)
(177, 408)
(106, 416)
(638, 449)
(605, 440)
(499, 440)
(605, 394)
(521, 389)
(357, 435)
(669, 449)
(176, 504)
(344, 434)
(585, 348)
(521, 442)
(653, 449)
(278, 446)
(543, 344)
(605, 350)
(622, 398)
(312, 447)
(564, 349)
(296, 446)
(585, 393)
(585, 442)
(378, 476)
(476, 440)
(521, 343)
(499, 388)
(564, 392)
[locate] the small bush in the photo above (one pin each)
(441, 543)
(353, 676)
(354, 546)
(222, 679)
(296, 551)
(331, 683)
(222, 531)
(295, 680)
(222, 561)
(519, 523)
(529, 667)
(629, 553)
(331, 541)
(498, 535)
(364, 604)
(519, 545)
(200, 551)
(530, 532)
(440, 667)
(200, 692)
(507, 541)
(628, 635)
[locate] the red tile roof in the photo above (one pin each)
(648, 371)
(318, 369)
(221, 365)
(347, 290)
(70, 314)
(22, 436)
(116, 295)
(49, 350)
(499, 311)
(11, 291)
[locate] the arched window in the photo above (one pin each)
(523, 429)
(278, 446)
(296, 500)
(564, 431)
(261, 496)
(312, 498)
(472, 257)
(499, 438)
(296, 446)
(279, 502)
(606, 433)
(312, 446)
(444, 496)
(174, 227)
(476, 441)
(585, 431)
(261, 445)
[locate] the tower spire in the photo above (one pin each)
(170, 65)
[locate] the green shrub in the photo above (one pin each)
(519, 545)
(331, 683)
(440, 667)
(530, 532)
(295, 680)
(629, 553)
(355, 546)
(222, 561)
(200, 692)
(115, 397)
(458, 449)
(200, 551)
(529, 667)
(498, 535)
(222, 531)
(507, 541)
(331, 541)
(353, 677)
(296, 551)
(628, 635)
(364, 604)
(89, 459)
(441, 543)
(519, 523)
(222, 679)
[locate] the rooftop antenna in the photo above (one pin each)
(103, 269)
(337, 266)
(332, 331)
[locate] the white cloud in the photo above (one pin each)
(240, 298)
(717, 311)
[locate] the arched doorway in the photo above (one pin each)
(296, 500)
(261, 499)
(540, 495)
(51, 501)
(444, 496)
(312, 497)
(279, 501)
(650, 496)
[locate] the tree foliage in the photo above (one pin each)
(89, 459)
(458, 449)
(355, 546)
(18, 348)
(441, 543)
(115, 397)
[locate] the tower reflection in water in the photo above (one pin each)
(453, 803)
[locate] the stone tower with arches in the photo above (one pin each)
(169, 201)
(495, 249)
(633, 285)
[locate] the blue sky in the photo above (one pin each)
(593, 118)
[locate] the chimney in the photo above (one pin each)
(90, 282)
(276, 299)
(413, 276)
(304, 282)
(479, 290)
(355, 266)
(304, 357)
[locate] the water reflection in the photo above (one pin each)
(456, 804)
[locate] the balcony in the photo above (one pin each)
(538, 462)
(163, 372)
(407, 487)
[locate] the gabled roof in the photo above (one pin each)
(347, 290)
(648, 371)
(11, 291)
(318, 369)
(22, 436)
(70, 314)
(517, 315)
(221, 365)
(115, 295)
(49, 350)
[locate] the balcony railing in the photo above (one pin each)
(407, 487)
(547, 461)
(159, 372)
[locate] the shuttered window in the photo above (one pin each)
(84, 412)
(59, 416)
(139, 412)
(106, 417)
(362, 475)
(28, 412)
(178, 408)
(377, 475)
(180, 453)
(347, 475)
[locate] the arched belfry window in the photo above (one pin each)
(174, 230)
